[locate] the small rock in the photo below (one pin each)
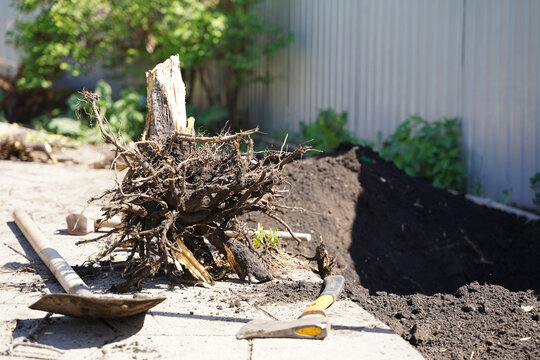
(482, 308)
(420, 334)
(467, 308)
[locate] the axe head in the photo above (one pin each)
(308, 327)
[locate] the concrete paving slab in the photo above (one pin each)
(193, 322)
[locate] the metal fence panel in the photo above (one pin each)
(501, 109)
(384, 60)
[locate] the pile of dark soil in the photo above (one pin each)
(456, 279)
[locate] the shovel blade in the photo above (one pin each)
(94, 306)
(309, 327)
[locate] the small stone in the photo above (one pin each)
(482, 308)
(420, 334)
(467, 308)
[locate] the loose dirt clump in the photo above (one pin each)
(448, 275)
(477, 321)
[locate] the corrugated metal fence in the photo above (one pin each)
(383, 60)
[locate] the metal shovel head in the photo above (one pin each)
(106, 307)
(309, 327)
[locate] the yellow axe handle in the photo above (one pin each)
(332, 288)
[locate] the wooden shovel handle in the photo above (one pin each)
(66, 276)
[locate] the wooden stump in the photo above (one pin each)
(166, 102)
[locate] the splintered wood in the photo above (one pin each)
(182, 193)
(166, 99)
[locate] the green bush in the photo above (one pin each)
(535, 186)
(325, 133)
(266, 239)
(58, 37)
(125, 115)
(429, 150)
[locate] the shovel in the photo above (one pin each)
(79, 300)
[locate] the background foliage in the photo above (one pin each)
(211, 36)
(325, 133)
(125, 114)
(429, 150)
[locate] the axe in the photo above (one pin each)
(312, 324)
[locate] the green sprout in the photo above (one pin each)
(267, 239)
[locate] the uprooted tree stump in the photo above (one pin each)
(182, 192)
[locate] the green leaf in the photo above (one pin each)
(65, 126)
(72, 36)
(429, 150)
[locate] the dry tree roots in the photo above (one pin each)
(180, 196)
